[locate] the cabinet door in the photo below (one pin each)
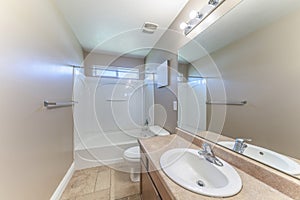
(148, 190)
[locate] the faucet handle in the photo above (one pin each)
(209, 154)
(207, 149)
(242, 140)
(239, 144)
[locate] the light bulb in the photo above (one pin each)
(193, 14)
(207, 10)
(183, 25)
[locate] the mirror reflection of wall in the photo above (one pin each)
(258, 61)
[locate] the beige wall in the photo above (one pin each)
(36, 144)
(263, 68)
(164, 115)
(183, 69)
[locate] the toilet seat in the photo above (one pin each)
(133, 154)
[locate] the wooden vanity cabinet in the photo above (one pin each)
(148, 189)
(151, 186)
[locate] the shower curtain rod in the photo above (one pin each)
(95, 67)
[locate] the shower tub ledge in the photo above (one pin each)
(106, 148)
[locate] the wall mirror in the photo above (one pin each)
(240, 79)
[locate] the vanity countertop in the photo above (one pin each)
(156, 146)
(215, 137)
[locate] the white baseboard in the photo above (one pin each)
(63, 184)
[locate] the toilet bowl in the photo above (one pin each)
(132, 155)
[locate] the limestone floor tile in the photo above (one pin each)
(72, 198)
(99, 195)
(82, 182)
(101, 183)
(133, 197)
(103, 179)
(121, 185)
(123, 167)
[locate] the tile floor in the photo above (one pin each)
(101, 183)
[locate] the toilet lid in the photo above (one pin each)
(133, 152)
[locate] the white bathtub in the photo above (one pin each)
(96, 149)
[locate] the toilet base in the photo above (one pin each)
(134, 176)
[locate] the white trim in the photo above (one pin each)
(63, 184)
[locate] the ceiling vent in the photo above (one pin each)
(149, 27)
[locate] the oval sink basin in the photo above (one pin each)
(266, 156)
(193, 172)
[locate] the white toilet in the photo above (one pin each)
(132, 155)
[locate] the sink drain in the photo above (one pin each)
(200, 183)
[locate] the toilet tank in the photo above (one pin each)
(157, 130)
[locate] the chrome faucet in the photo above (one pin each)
(146, 126)
(209, 155)
(239, 145)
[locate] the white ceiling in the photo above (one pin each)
(247, 17)
(114, 26)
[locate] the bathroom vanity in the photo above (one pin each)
(155, 184)
(152, 187)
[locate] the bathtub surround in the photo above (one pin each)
(108, 118)
(94, 58)
(37, 49)
(107, 105)
(95, 152)
(111, 112)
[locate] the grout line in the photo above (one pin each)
(96, 181)
(111, 184)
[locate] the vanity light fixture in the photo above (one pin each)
(196, 17)
(193, 14)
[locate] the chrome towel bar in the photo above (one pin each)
(49, 104)
(241, 103)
